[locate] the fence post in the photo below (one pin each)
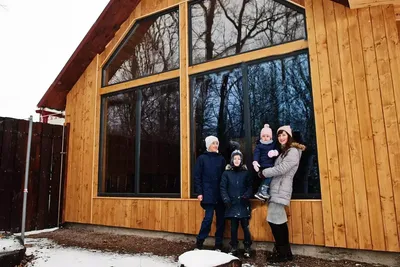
(28, 156)
(61, 174)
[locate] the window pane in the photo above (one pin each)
(218, 110)
(141, 141)
(221, 28)
(118, 143)
(280, 94)
(160, 140)
(151, 47)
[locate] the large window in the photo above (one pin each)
(152, 46)
(234, 104)
(140, 142)
(221, 28)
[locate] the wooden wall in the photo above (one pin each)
(355, 81)
(356, 89)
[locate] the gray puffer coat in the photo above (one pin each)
(285, 168)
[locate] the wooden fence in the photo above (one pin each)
(44, 174)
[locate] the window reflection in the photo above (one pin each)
(280, 94)
(151, 47)
(218, 109)
(221, 28)
(141, 141)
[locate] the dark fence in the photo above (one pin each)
(44, 174)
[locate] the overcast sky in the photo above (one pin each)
(37, 37)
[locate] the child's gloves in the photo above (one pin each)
(260, 175)
(273, 153)
(256, 166)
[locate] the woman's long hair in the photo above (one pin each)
(285, 147)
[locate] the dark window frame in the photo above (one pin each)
(126, 39)
(101, 155)
(283, 2)
(295, 196)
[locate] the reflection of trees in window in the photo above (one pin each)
(218, 109)
(141, 138)
(222, 28)
(151, 47)
(280, 93)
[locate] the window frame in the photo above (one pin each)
(189, 27)
(127, 37)
(295, 196)
(100, 177)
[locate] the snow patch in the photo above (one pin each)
(47, 254)
(204, 258)
(9, 243)
(38, 231)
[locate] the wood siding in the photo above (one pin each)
(355, 79)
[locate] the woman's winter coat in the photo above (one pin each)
(207, 176)
(236, 189)
(285, 168)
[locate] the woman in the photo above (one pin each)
(284, 169)
(207, 178)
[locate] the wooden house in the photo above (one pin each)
(152, 78)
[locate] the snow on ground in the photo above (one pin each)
(205, 258)
(47, 253)
(9, 243)
(38, 231)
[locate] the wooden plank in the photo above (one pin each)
(145, 214)
(134, 213)
(89, 121)
(139, 82)
(185, 216)
(178, 227)
(318, 223)
(297, 223)
(45, 162)
(319, 124)
(96, 130)
(158, 215)
(171, 216)
(378, 133)
(34, 181)
(389, 159)
(361, 231)
(20, 138)
(367, 145)
(307, 220)
(139, 215)
(8, 173)
(394, 49)
(152, 215)
(249, 56)
(55, 174)
(329, 121)
(164, 212)
(342, 153)
(354, 4)
(184, 102)
(192, 217)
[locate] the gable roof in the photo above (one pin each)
(95, 41)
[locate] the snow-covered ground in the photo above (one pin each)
(9, 243)
(47, 253)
